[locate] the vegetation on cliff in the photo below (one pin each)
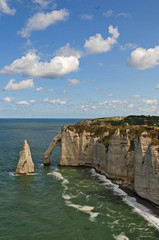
(131, 125)
(129, 120)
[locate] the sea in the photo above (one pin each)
(63, 203)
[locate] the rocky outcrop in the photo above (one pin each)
(55, 142)
(127, 155)
(25, 164)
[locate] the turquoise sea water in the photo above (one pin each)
(62, 203)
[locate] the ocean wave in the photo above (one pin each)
(20, 175)
(121, 236)
(85, 209)
(131, 201)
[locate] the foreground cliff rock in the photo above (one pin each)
(128, 155)
(25, 164)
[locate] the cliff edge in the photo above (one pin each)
(129, 155)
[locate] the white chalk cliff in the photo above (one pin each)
(25, 164)
(127, 155)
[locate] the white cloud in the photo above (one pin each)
(22, 103)
(32, 101)
(110, 95)
(58, 101)
(97, 44)
(108, 13)
(42, 3)
(157, 86)
(49, 90)
(8, 99)
(30, 66)
(67, 51)
(112, 102)
(41, 89)
(128, 46)
(118, 102)
(144, 58)
(84, 108)
(103, 103)
(136, 96)
(86, 17)
(93, 107)
(130, 105)
(150, 101)
(64, 92)
(73, 82)
(45, 100)
(25, 84)
(41, 21)
(123, 14)
(4, 8)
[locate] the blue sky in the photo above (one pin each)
(78, 58)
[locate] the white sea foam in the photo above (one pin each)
(86, 209)
(121, 237)
(20, 175)
(131, 201)
(57, 175)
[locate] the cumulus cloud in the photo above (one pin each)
(128, 46)
(73, 82)
(86, 17)
(41, 89)
(130, 105)
(64, 92)
(136, 96)
(112, 102)
(22, 103)
(149, 101)
(41, 21)
(32, 101)
(110, 95)
(157, 86)
(67, 51)
(42, 3)
(84, 108)
(30, 66)
(144, 58)
(97, 44)
(93, 107)
(119, 102)
(103, 103)
(8, 99)
(4, 8)
(45, 100)
(58, 101)
(108, 13)
(25, 84)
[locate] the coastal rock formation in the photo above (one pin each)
(127, 155)
(56, 142)
(25, 164)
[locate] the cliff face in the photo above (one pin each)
(127, 156)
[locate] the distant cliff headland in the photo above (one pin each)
(125, 149)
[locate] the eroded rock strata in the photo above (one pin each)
(25, 164)
(128, 155)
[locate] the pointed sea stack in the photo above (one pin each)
(25, 164)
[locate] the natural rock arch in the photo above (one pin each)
(56, 142)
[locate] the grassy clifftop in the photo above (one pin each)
(123, 121)
(131, 125)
